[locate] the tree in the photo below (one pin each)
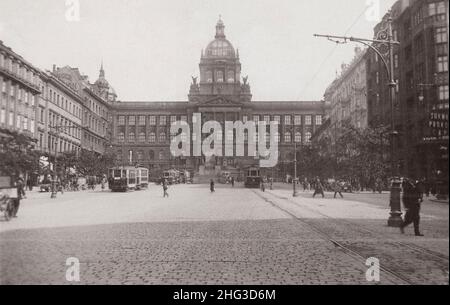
(90, 163)
(17, 153)
(356, 155)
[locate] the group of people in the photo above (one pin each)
(319, 189)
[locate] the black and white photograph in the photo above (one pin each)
(224, 149)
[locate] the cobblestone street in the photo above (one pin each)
(234, 236)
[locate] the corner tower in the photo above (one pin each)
(220, 72)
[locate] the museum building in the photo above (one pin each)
(141, 130)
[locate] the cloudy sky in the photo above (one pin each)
(151, 48)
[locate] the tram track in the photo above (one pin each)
(416, 248)
(396, 277)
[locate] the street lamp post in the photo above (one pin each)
(55, 175)
(385, 37)
(294, 181)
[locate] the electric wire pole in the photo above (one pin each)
(384, 37)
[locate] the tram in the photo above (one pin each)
(125, 178)
(252, 178)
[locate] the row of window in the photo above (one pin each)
(19, 93)
(23, 123)
(17, 68)
(141, 120)
(219, 76)
(230, 136)
(65, 126)
(297, 119)
(61, 101)
(56, 144)
(95, 124)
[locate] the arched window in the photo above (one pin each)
(152, 137)
(308, 137)
(131, 137)
(287, 137)
(142, 136)
(209, 77)
(298, 137)
(121, 137)
(162, 137)
(161, 155)
(230, 77)
(219, 76)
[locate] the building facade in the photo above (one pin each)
(347, 96)
(421, 95)
(141, 130)
(19, 90)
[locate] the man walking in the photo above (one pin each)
(337, 189)
(232, 181)
(164, 186)
(318, 188)
(411, 201)
(211, 186)
(20, 195)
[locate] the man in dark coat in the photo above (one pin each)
(337, 187)
(165, 187)
(411, 201)
(211, 186)
(318, 188)
(20, 194)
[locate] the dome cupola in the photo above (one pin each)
(220, 46)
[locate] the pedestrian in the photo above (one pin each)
(232, 181)
(318, 188)
(263, 186)
(337, 187)
(29, 184)
(165, 187)
(211, 186)
(20, 195)
(103, 183)
(411, 201)
(420, 184)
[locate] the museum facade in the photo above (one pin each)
(141, 130)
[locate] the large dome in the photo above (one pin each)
(220, 46)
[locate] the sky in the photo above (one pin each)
(150, 49)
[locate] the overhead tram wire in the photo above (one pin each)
(313, 78)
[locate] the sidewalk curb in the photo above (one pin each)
(439, 201)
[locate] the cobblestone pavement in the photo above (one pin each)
(234, 236)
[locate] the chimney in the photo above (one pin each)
(54, 68)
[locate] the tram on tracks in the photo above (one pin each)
(252, 178)
(125, 178)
